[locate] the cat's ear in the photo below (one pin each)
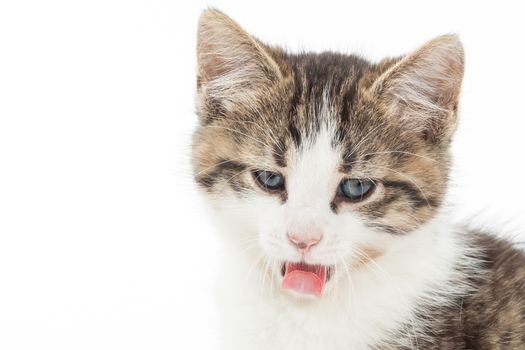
(232, 65)
(422, 89)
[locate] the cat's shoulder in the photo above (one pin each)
(494, 314)
(502, 260)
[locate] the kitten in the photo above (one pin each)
(327, 174)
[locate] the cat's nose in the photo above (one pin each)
(303, 243)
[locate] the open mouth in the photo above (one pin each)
(304, 278)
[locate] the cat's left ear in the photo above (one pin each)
(234, 69)
(422, 89)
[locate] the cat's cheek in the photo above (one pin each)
(352, 230)
(237, 217)
(271, 230)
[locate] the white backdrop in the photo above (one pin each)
(103, 243)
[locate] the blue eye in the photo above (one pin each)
(355, 189)
(269, 180)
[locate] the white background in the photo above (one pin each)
(103, 242)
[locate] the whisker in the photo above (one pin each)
(255, 159)
(255, 262)
(235, 132)
(266, 270)
(365, 138)
(266, 145)
(227, 181)
(272, 277)
(350, 281)
(385, 277)
(401, 152)
(268, 131)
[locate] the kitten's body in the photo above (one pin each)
(397, 274)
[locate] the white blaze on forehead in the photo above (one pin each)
(312, 181)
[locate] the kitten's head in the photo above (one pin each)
(319, 161)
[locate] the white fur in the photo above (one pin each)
(363, 306)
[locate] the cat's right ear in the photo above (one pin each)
(234, 69)
(421, 90)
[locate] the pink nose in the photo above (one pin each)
(302, 243)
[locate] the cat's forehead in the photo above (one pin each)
(320, 97)
(321, 81)
(314, 70)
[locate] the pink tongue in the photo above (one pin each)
(304, 282)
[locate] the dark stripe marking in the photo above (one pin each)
(386, 228)
(295, 134)
(224, 169)
(412, 192)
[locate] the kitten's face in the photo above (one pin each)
(320, 162)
